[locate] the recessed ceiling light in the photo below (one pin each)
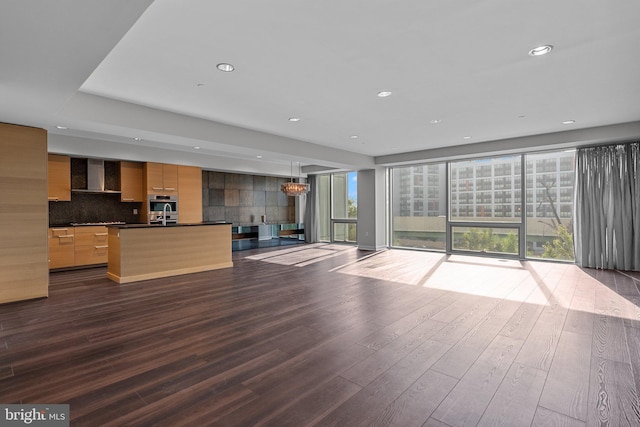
(354, 137)
(540, 50)
(196, 148)
(137, 139)
(258, 157)
(227, 68)
(294, 119)
(466, 137)
(568, 122)
(435, 121)
(62, 127)
(384, 94)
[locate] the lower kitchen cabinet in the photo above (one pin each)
(61, 247)
(91, 245)
(78, 246)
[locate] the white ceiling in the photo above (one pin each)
(121, 69)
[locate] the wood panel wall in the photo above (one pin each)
(23, 213)
(189, 194)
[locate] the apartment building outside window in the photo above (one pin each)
(485, 209)
(419, 206)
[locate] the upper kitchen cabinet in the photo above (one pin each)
(131, 182)
(59, 178)
(161, 178)
(190, 190)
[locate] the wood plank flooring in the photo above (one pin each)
(326, 335)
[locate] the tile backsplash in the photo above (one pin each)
(93, 207)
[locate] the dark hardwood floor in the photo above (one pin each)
(330, 336)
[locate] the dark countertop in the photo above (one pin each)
(123, 226)
(267, 223)
(84, 224)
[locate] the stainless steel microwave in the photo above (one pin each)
(159, 206)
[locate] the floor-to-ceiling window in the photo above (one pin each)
(419, 206)
(338, 195)
(485, 206)
(478, 206)
(550, 179)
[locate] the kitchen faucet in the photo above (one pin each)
(164, 213)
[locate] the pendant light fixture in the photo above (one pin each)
(292, 188)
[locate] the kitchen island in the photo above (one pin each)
(142, 251)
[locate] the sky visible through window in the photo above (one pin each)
(352, 179)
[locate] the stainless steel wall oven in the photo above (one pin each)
(163, 208)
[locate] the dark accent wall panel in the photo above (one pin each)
(245, 199)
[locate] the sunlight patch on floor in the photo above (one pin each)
(533, 282)
(301, 256)
(483, 277)
(408, 267)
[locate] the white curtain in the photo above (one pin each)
(311, 211)
(607, 207)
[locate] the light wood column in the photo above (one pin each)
(189, 194)
(24, 213)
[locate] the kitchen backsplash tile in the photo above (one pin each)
(93, 207)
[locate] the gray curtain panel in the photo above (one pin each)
(607, 207)
(311, 212)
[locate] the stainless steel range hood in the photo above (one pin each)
(95, 178)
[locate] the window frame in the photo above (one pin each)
(332, 220)
(520, 202)
(520, 226)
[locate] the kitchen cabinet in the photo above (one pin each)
(59, 178)
(131, 182)
(91, 245)
(78, 246)
(61, 247)
(161, 178)
(190, 191)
